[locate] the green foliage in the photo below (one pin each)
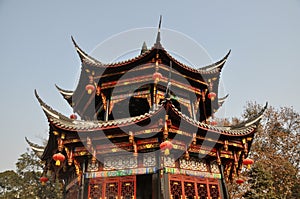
(261, 183)
(25, 182)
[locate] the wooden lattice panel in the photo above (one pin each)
(111, 190)
(189, 189)
(214, 191)
(175, 189)
(95, 191)
(202, 191)
(127, 189)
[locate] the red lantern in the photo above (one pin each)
(166, 146)
(90, 88)
(43, 180)
(73, 116)
(240, 181)
(213, 123)
(211, 96)
(248, 162)
(58, 157)
(157, 76)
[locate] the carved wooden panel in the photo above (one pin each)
(92, 166)
(120, 162)
(193, 164)
(169, 161)
(149, 160)
(214, 168)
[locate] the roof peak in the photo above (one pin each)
(157, 43)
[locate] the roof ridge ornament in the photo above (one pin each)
(157, 43)
(144, 48)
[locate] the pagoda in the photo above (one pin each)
(144, 128)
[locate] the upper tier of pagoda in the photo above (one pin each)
(102, 88)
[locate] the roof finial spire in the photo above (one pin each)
(157, 43)
(144, 48)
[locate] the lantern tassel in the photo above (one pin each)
(57, 163)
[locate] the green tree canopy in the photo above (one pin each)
(25, 182)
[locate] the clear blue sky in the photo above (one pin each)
(36, 52)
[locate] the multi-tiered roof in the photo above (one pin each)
(132, 106)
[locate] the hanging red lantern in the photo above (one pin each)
(213, 122)
(73, 116)
(89, 88)
(211, 96)
(240, 181)
(58, 158)
(248, 162)
(43, 180)
(166, 146)
(157, 76)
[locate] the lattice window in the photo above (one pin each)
(111, 191)
(127, 190)
(202, 191)
(176, 189)
(214, 191)
(189, 190)
(95, 191)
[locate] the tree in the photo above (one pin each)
(275, 150)
(25, 182)
(9, 184)
(261, 184)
